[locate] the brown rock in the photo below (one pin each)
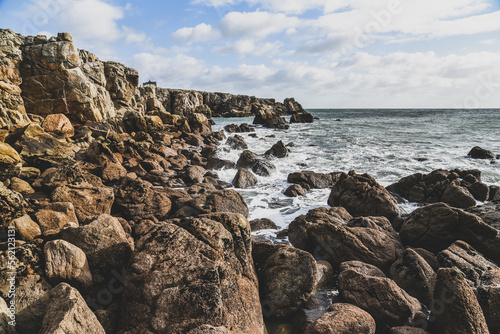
(314, 180)
(343, 319)
(480, 153)
(295, 190)
(10, 162)
(244, 179)
(112, 172)
(56, 215)
(103, 241)
(26, 228)
(21, 186)
(279, 150)
(437, 226)
(262, 224)
(89, 201)
(414, 275)
(237, 143)
(381, 297)
(58, 124)
(53, 178)
(456, 309)
(458, 196)
(194, 174)
(407, 330)
(68, 313)
(361, 195)
(220, 201)
(137, 199)
(287, 277)
(187, 273)
(12, 205)
(65, 262)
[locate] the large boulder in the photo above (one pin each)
(361, 195)
(343, 319)
(458, 196)
(26, 228)
(65, 262)
(68, 313)
(314, 180)
(244, 179)
(488, 212)
(480, 153)
(193, 273)
(56, 215)
(58, 124)
(435, 227)
(337, 241)
(252, 161)
(287, 276)
(381, 297)
(267, 117)
(278, 150)
(227, 200)
(303, 117)
(412, 273)
(89, 201)
(58, 78)
(456, 309)
(237, 143)
(103, 241)
(138, 199)
(12, 110)
(10, 162)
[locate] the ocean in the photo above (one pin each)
(387, 144)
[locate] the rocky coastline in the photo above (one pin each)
(113, 218)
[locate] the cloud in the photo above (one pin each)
(256, 24)
(215, 3)
(202, 32)
(250, 47)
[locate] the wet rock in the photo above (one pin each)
(286, 277)
(278, 150)
(304, 117)
(68, 312)
(458, 196)
(59, 125)
(12, 205)
(137, 199)
(314, 180)
(65, 262)
(477, 270)
(460, 311)
(244, 179)
(56, 215)
(295, 190)
(480, 153)
(343, 319)
(187, 273)
(298, 229)
(489, 213)
(227, 200)
(381, 297)
(436, 226)
(414, 275)
(26, 228)
(103, 241)
(237, 143)
(218, 164)
(89, 201)
(252, 161)
(361, 195)
(262, 224)
(333, 240)
(10, 162)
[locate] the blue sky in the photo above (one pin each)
(325, 53)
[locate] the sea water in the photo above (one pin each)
(387, 144)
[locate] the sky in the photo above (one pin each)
(325, 53)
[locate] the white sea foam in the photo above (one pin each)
(387, 144)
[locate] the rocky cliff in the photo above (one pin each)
(40, 76)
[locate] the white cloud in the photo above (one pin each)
(215, 3)
(202, 32)
(250, 47)
(256, 24)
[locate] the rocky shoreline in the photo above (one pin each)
(113, 218)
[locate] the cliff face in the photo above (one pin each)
(41, 76)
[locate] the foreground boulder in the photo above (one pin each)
(437, 226)
(459, 310)
(381, 297)
(244, 179)
(343, 319)
(488, 212)
(361, 195)
(286, 277)
(252, 161)
(68, 312)
(193, 273)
